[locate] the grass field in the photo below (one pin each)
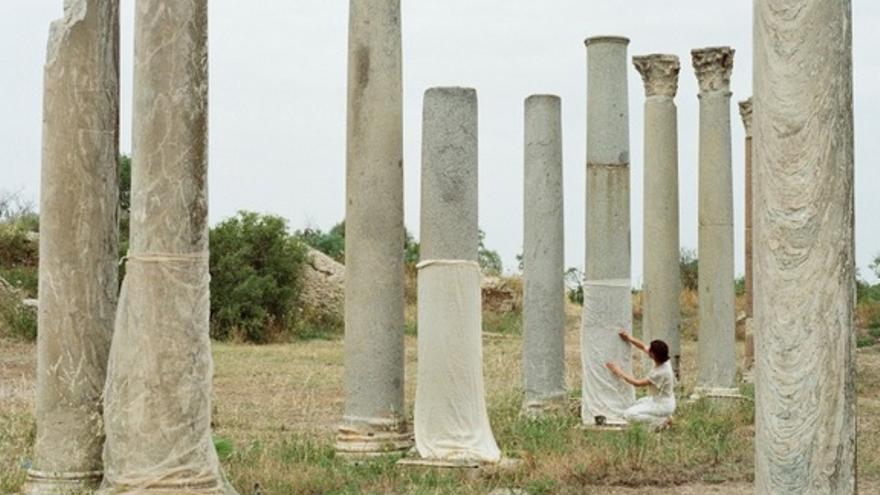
(276, 408)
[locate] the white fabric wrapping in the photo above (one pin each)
(158, 406)
(607, 310)
(451, 422)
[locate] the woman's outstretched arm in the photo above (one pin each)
(644, 382)
(638, 344)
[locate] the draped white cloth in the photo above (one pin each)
(451, 422)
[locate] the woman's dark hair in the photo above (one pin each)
(659, 351)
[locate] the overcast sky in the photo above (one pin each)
(277, 109)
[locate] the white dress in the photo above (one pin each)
(659, 405)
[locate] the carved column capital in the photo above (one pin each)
(713, 67)
(745, 111)
(659, 73)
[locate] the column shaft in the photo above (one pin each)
(451, 421)
(374, 419)
(661, 287)
(607, 299)
(78, 245)
(543, 256)
(805, 395)
(717, 338)
(158, 395)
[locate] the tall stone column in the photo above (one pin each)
(78, 245)
(661, 288)
(745, 111)
(717, 338)
(805, 397)
(157, 413)
(543, 257)
(451, 421)
(373, 421)
(607, 288)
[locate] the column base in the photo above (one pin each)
(716, 393)
(373, 440)
(49, 483)
(551, 406)
(176, 488)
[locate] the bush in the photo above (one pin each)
(689, 268)
(16, 320)
(574, 282)
(331, 243)
(256, 277)
(16, 247)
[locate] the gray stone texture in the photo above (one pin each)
(543, 257)
(374, 417)
(717, 339)
(449, 212)
(78, 245)
(745, 110)
(157, 413)
(661, 287)
(607, 230)
(805, 396)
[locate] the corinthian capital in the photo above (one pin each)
(659, 73)
(713, 66)
(745, 111)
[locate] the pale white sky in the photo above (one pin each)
(277, 110)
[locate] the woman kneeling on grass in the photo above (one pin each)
(657, 408)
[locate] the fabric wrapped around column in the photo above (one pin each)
(607, 310)
(451, 422)
(158, 406)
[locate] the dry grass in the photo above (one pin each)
(276, 407)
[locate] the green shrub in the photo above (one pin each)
(16, 320)
(689, 268)
(24, 278)
(331, 243)
(574, 282)
(256, 277)
(16, 248)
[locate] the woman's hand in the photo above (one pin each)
(624, 336)
(614, 368)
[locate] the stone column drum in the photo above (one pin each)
(451, 421)
(661, 288)
(717, 338)
(805, 397)
(543, 257)
(374, 419)
(78, 245)
(745, 111)
(607, 288)
(157, 413)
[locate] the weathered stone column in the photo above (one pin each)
(543, 257)
(157, 413)
(717, 338)
(78, 245)
(451, 421)
(661, 288)
(373, 421)
(607, 288)
(805, 398)
(745, 111)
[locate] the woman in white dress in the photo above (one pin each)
(657, 407)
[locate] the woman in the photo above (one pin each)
(657, 408)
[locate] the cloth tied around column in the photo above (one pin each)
(158, 404)
(451, 421)
(607, 310)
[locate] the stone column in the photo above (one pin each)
(661, 288)
(607, 288)
(451, 421)
(543, 257)
(157, 413)
(373, 421)
(78, 245)
(805, 397)
(745, 111)
(717, 338)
